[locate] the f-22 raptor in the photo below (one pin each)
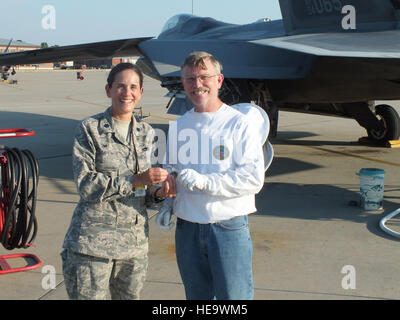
(328, 57)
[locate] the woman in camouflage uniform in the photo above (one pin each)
(106, 245)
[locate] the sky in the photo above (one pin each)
(65, 22)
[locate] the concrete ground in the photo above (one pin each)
(309, 243)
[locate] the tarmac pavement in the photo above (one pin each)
(305, 234)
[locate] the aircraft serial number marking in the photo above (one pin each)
(322, 6)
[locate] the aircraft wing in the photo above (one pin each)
(380, 44)
(95, 50)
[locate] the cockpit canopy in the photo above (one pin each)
(174, 21)
(183, 25)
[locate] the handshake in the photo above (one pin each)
(190, 180)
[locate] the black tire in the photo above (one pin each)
(391, 123)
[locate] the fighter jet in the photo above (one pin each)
(328, 57)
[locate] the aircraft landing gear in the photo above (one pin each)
(390, 124)
(382, 122)
(4, 74)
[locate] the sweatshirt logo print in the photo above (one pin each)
(221, 152)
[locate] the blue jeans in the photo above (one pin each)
(215, 260)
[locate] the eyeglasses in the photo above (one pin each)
(202, 78)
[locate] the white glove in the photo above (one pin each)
(164, 215)
(191, 180)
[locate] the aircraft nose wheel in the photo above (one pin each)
(390, 124)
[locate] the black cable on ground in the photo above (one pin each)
(18, 191)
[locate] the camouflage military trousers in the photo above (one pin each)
(91, 278)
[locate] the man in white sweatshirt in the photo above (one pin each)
(220, 168)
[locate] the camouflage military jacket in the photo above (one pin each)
(109, 220)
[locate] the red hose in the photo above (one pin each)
(12, 133)
(17, 218)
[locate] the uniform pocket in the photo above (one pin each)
(235, 223)
(108, 162)
(97, 217)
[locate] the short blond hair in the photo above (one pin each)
(196, 60)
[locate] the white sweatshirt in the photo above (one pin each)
(224, 147)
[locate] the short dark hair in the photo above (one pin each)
(121, 67)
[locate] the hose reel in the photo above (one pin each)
(19, 177)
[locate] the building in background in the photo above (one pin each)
(105, 63)
(117, 60)
(19, 45)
